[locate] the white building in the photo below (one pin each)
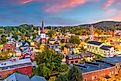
(100, 48)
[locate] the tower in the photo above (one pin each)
(42, 34)
(92, 33)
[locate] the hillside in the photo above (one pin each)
(104, 24)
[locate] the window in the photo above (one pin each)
(85, 79)
(76, 61)
(72, 62)
(112, 72)
(93, 77)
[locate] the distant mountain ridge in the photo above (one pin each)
(104, 24)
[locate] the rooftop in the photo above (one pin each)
(95, 42)
(73, 56)
(38, 78)
(93, 66)
(113, 60)
(14, 62)
(17, 77)
(106, 47)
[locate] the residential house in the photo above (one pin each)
(22, 77)
(88, 56)
(73, 59)
(70, 48)
(10, 45)
(55, 47)
(17, 77)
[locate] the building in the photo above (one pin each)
(22, 77)
(17, 77)
(55, 47)
(41, 38)
(73, 59)
(79, 58)
(8, 67)
(92, 71)
(104, 68)
(100, 48)
(88, 56)
(28, 53)
(113, 60)
(10, 45)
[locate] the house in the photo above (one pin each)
(22, 77)
(12, 65)
(24, 45)
(100, 48)
(17, 77)
(55, 47)
(77, 58)
(70, 48)
(88, 56)
(52, 41)
(73, 59)
(28, 53)
(10, 45)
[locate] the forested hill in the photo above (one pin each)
(105, 24)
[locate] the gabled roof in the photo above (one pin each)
(73, 56)
(38, 78)
(105, 47)
(95, 42)
(17, 77)
(87, 54)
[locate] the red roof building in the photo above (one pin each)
(23, 66)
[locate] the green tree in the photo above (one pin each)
(62, 78)
(75, 40)
(74, 74)
(51, 33)
(49, 63)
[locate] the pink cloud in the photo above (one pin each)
(24, 1)
(29, 1)
(111, 2)
(64, 4)
(108, 3)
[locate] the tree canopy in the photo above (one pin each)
(73, 75)
(75, 40)
(49, 63)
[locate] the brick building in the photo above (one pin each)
(104, 68)
(9, 46)
(23, 66)
(92, 71)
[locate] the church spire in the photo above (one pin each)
(42, 27)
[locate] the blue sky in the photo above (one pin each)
(58, 12)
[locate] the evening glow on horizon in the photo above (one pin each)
(58, 12)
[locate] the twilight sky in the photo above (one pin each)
(58, 12)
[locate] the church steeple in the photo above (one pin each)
(43, 30)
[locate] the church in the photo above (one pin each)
(41, 37)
